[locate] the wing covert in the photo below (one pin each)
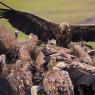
(85, 32)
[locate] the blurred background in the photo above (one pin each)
(72, 11)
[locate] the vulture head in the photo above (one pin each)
(64, 35)
(64, 27)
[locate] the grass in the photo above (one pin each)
(92, 44)
(56, 10)
(72, 11)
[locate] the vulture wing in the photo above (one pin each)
(28, 23)
(85, 32)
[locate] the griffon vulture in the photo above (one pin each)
(46, 30)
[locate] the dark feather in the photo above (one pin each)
(85, 32)
(29, 23)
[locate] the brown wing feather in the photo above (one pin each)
(29, 23)
(85, 32)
